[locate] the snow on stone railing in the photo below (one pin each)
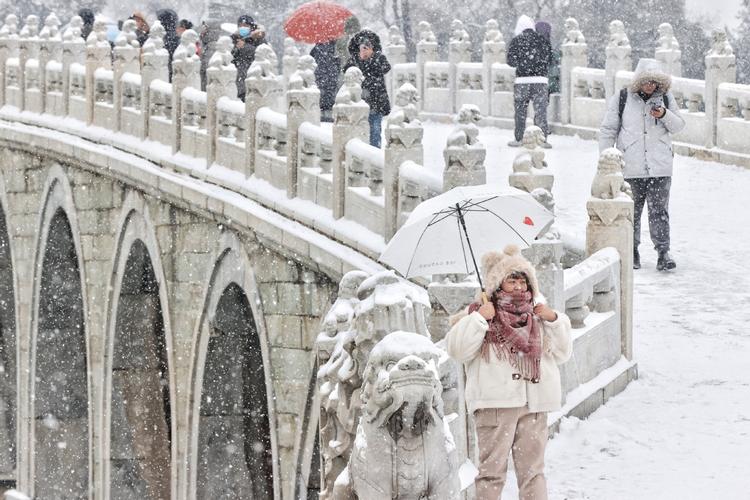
(270, 144)
(104, 98)
(230, 146)
(194, 133)
(160, 113)
(588, 103)
(733, 126)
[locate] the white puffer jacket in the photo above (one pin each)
(644, 140)
(490, 384)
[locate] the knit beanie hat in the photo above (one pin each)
(496, 266)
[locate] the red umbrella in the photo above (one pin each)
(317, 22)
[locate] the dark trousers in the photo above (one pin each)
(376, 120)
(538, 94)
(655, 192)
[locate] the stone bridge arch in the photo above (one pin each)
(8, 346)
(138, 445)
(59, 388)
(231, 337)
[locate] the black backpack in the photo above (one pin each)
(624, 98)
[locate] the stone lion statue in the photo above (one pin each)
(31, 28)
(394, 36)
(222, 56)
(405, 106)
(458, 33)
(186, 50)
(466, 133)
(10, 27)
(403, 448)
(492, 32)
(304, 76)
(608, 182)
(719, 44)
(425, 32)
(573, 32)
(617, 35)
(51, 28)
(531, 156)
(667, 40)
(73, 31)
(351, 91)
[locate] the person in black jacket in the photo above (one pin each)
(530, 53)
(366, 53)
(168, 19)
(246, 40)
(87, 16)
(326, 76)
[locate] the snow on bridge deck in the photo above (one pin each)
(682, 429)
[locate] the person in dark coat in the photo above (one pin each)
(168, 19)
(366, 53)
(87, 16)
(545, 29)
(326, 76)
(530, 53)
(247, 38)
(183, 26)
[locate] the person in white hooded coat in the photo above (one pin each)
(643, 134)
(511, 347)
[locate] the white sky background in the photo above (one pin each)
(723, 12)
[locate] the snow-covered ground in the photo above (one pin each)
(682, 431)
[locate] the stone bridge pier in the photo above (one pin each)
(155, 336)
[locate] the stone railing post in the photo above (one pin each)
(459, 50)
(185, 73)
(403, 142)
(220, 82)
(546, 256)
(28, 49)
(97, 56)
(73, 51)
(395, 51)
(464, 155)
(573, 55)
(618, 56)
(8, 49)
(610, 210)
(349, 122)
(493, 51)
(49, 50)
(303, 105)
(668, 50)
(155, 59)
(126, 60)
(262, 89)
(720, 68)
(427, 50)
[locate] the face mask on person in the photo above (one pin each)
(244, 32)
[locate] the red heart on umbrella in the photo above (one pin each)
(527, 220)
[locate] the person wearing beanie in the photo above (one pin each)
(511, 343)
(639, 122)
(530, 53)
(247, 38)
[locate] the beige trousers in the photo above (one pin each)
(504, 430)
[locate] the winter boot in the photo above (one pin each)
(665, 262)
(636, 259)
(514, 143)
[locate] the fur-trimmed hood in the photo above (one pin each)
(496, 266)
(650, 69)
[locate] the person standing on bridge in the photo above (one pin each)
(366, 53)
(639, 122)
(531, 54)
(511, 346)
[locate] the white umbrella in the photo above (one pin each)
(445, 233)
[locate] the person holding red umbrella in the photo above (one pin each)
(366, 53)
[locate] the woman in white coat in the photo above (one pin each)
(511, 346)
(639, 122)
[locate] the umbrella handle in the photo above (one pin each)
(484, 298)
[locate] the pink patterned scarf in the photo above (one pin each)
(514, 333)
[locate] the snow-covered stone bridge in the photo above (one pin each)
(167, 254)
